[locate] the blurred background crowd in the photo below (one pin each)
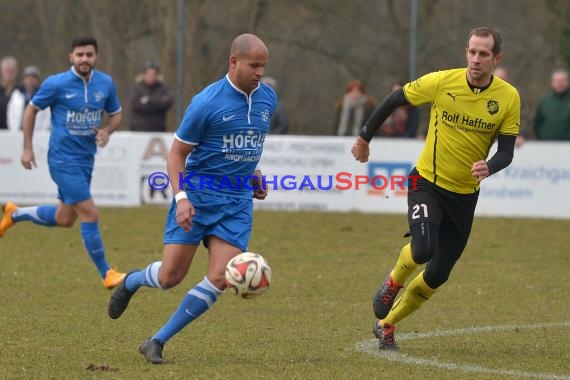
(331, 61)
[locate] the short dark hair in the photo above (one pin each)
(150, 65)
(559, 70)
(84, 41)
(484, 31)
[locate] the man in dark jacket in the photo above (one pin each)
(552, 120)
(279, 121)
(150, 101)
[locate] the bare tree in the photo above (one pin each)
(315, 45)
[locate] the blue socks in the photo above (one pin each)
(146, 277)
(94, 246)
(43, 215)
(198, 300)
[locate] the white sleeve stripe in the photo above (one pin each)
(184, 141)
(116, 112)
(31, 103)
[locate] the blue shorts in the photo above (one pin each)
(73, 183)
(228, 218)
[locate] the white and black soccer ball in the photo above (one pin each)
(248, 275)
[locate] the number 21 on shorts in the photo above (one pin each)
(418, 210)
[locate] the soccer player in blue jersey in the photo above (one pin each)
(77, 99)
(217, 145)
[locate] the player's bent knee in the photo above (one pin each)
(425, 242)
(218, 280)
(169, 280)
(169, 283)
(66, 222)
(434, 279)
(423, 251)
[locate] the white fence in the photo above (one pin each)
(304, 173)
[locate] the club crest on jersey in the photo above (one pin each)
(265, 115)
(98, 95)
(492, 106)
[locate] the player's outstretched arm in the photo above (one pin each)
(176, 167)
(260, 189)
(102, 134)
(28, 158)
(360, 149)
(500, 160)
(394, 100)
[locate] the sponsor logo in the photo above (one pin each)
(341, 181)
(244, 146)
(467, 121)
(227, 118)
(247, 140)
(391, 176)
(69, 96)
(87, 116)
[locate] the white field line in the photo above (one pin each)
(370, 346)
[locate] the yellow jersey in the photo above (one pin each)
(463, 125)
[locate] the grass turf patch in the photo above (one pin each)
(326, 268)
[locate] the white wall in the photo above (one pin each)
(536, 184)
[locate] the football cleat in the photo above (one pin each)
(152, 351)
(385, 296)
(120, 299)
(386, 340)
(6, 221)
(376, 329)
(112, 278)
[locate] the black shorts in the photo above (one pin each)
(451, 214)
(430, 203)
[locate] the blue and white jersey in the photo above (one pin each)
(77, 107)
(228, 129)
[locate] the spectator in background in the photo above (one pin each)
(31, 80)
(279, 121)
(403, 122)
(353, 109)
(502, 73)
(552, 119)
(150, 101)
(11, 98)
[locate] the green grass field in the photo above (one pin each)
(315, 320)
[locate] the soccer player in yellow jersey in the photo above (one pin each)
(470, 110)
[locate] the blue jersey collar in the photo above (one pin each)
(238, 90)
(80, 77)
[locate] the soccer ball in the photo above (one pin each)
(248, 275)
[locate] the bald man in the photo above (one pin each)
(12, 100)
(224, 128)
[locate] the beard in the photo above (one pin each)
(83, 69)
